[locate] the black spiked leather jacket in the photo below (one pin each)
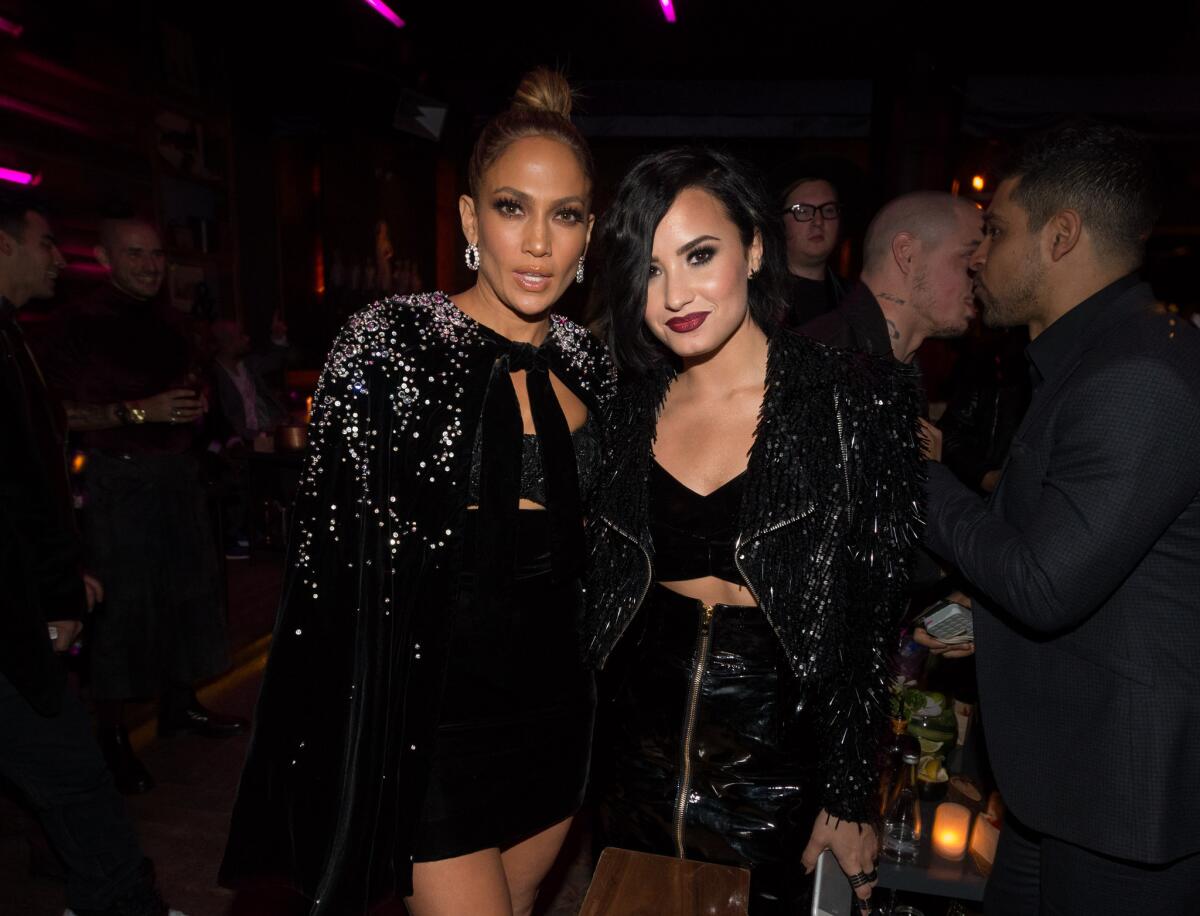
(831, 510)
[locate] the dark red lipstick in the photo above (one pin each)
(688, 322)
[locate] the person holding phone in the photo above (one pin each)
(751, 542)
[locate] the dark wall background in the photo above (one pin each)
(311, 135)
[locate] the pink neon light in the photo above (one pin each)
(11, 28)
(668, 8)
(8, 103)
(17, 177)
(386, 12)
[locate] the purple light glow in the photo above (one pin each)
(11, 28)
(668, 8)
(8, 103)
(17, 177)
(386, 12)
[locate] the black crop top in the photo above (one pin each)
(533, 480)
(693, 535)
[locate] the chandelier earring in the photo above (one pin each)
(472, 256)
(579, 272)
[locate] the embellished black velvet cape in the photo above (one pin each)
(832, 508)
(337, 765)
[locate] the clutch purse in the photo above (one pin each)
(628, 883)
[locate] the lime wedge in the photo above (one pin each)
(930, 747)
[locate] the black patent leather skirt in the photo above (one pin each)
(513, 743)
(702, 750)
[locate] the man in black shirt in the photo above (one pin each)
(46, 746)
(811, 219)
(126, 368)
(1085, 558)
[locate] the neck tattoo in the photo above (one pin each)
(890, 298)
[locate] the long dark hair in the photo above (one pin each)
(627, 238)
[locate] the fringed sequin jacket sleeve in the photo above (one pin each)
(876, 409)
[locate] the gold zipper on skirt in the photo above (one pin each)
(685, 775)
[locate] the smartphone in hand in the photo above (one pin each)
(950, 622)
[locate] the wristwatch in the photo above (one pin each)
(129, 414)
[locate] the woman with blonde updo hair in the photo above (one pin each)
(425, 723)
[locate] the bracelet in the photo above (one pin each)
(128, 414)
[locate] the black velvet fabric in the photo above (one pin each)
(693, 535)
(344, 737)
(500, 483)
(510, 753)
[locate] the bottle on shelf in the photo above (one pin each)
(892, 761)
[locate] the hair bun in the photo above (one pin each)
(544, 89)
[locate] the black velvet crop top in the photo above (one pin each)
(693, 535)
(533, 480)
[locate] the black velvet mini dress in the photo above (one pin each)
(512, 747)
(706, 755)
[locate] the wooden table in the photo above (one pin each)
(640, 884)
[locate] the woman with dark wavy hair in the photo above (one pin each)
(750, 544)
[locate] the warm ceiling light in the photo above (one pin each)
(668, 8)
(16, 176)
(977, 182)
(386, 12)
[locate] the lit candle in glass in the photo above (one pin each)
(951, 828)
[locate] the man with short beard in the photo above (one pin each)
(1085, 560)
(125, 367)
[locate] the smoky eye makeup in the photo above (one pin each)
(702, 255)
(570, 215)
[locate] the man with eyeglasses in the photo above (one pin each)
(811, 214)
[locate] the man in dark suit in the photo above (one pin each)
(46, 744)
(1087, 559)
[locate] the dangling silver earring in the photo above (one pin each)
(579, 272)
(473, 256)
